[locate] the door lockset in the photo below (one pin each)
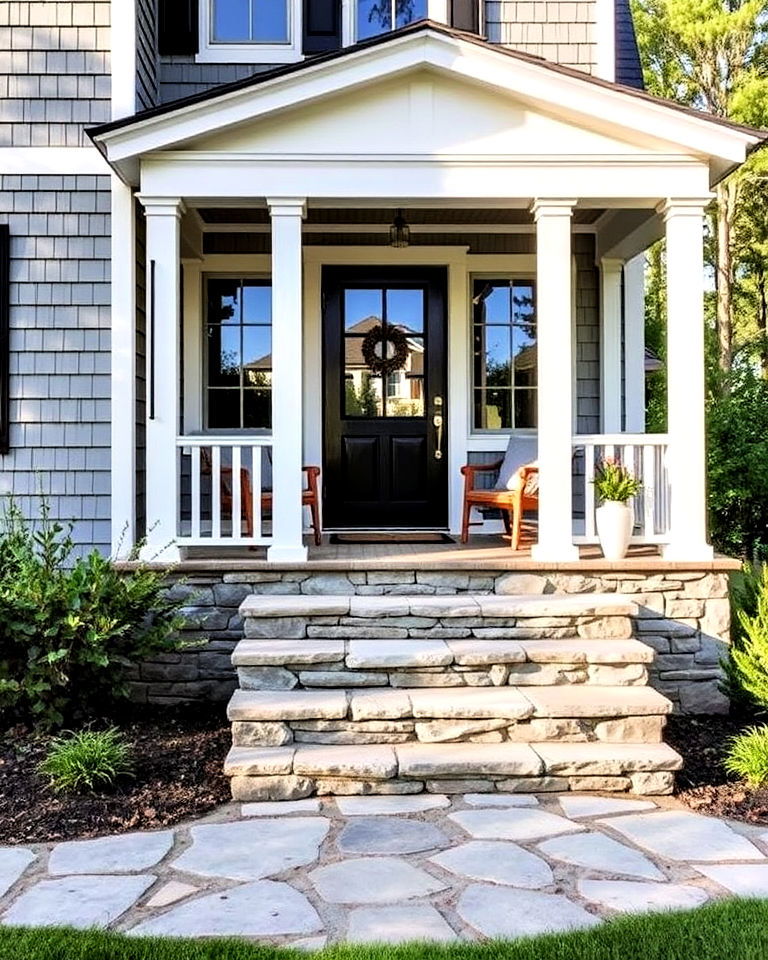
(437, 421)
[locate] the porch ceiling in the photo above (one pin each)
(471, 217)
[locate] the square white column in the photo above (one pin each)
(123, 370)
(684, 221)
(555, 404)
(610, 345)
(163, 270)
(287, 422)
(634, 345)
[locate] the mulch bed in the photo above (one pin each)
(703, 784)
(178, 753)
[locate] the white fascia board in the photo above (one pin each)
(53, 161)
(528, 81)
(220, 177)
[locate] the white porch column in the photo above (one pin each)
(287, 381)
(610, 345)
(684, 221)
(163, 368)
(555, 403)
(123, 371)
(634, 345)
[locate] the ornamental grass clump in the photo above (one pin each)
(748, 756)
(87, 760)
(615, 483)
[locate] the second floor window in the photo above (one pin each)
(379, 16)
(250, 21)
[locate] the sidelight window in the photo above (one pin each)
(504, 354)
(238, 387)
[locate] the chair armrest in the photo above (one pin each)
(312, 474)
(311, 471)
(470, 469)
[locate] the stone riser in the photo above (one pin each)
(644, 729)
(332, 675)
(295, 771)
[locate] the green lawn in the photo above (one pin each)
(732, 930)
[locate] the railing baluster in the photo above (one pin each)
(237, 523)
(195, 452)
(256, 490)
(589, 490)
(216, 492)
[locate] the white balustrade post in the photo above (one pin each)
(610, 345)
(684, 221)
(555, 405)
(634, 345)
(287, 424)
(163, 268)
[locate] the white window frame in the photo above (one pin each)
(211, 52)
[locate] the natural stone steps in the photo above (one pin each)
(510, 703)
(287, 664)
(295, 771)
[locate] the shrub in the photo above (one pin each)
(70, 627)
(747, 664)
(613, 481)
(86, 760)
(748, 756)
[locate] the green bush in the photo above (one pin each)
(87, 760)
(615, 482)
(70, 627)
(748, 756)
(747, 664)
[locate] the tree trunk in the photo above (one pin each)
(724, 274)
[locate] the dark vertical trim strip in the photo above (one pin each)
(151, 339)
(5, 338)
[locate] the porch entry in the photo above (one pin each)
(385, 392)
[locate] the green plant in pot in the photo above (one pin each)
(615, 486)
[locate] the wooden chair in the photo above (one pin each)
(309, 497)
(512, 503)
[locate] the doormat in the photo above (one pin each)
(423, 536)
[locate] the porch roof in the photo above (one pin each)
(570, 93)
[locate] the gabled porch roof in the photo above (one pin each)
(570, 95)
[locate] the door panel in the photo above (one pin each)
(383, 464)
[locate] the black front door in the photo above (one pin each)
(385, 397)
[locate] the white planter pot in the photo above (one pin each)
(614, 528)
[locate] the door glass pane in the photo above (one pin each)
(363, 393)
(405, 309)
(363, 309)
(223, 356)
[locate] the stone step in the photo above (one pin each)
(440, 607)
(294, 771)
(308, 664)
(569, 701)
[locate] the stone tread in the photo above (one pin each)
(514, 703)
(455, 605)
(413, 652)
(418, 760)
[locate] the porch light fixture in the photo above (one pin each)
(399, 232)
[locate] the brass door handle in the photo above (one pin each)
(437, 420)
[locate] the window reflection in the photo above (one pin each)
(378, 16)
(250, 21)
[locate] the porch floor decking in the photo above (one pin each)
(482, 552)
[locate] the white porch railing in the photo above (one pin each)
(222, 481)
(646, 456)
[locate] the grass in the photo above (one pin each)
(733, 928)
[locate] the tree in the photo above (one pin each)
(713, 54)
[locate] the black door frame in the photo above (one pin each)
(436, 381)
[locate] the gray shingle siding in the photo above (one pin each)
(147, 61)
(182, 77)
(60, 342)
(587, 344)
(563, 32)
(629, 69)
(54, 72)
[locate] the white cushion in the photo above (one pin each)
(521, 451)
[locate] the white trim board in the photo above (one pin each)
(55, 161)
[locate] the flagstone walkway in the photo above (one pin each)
(389, 868)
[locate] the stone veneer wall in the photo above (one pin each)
(686, 620)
